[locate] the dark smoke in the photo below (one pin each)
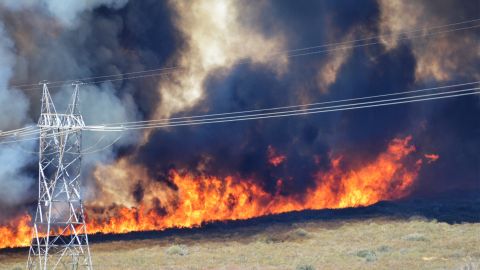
(240, 149)
(98, 38)
(61, 41)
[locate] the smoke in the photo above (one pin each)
(65, 12)
(101, 105)
(438, 59)
(216, 39)
(241, 149)
(225, 47)
(15, 183)
(12, 102)
(62, 48)
(445, 127)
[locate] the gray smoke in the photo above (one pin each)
(68, 39)
(100, 105)
(14, 182)
(61, 40)
(12, 102)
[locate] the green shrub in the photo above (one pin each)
(368, 255)
(177, 250)
(300, 232)
(305, 267)
(384, 248)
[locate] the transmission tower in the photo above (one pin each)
(60, 238)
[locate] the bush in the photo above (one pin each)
(368, 255)
(305, 267)
(271, 239)
(384, 248)
(177, 250)
(300, 233)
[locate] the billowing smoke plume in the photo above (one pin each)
(224, 48)
(216, 39)
(308, 143)
(458, 58)
(101, 105)
(14, 182)
(65, 54)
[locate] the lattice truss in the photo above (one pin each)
(60, 235)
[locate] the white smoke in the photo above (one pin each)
(65, 11)
(14, 183)
(12, 102)
(98, 104)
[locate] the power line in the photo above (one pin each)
(15, 131)
(368, 104)
(31, 130)
(295, 113)
(86, 151)
(380, 103)
(269, 57)
(169, 70)
(267, 112)
(296, 106)
(35, 133)
(103, 148)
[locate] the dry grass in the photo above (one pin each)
(367, 244)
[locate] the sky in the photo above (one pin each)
(225, 51)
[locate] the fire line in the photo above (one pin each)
(201, 199)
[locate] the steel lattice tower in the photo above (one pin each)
(60, 238)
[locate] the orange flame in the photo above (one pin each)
(274, 158)
(200, 199)
(16, 233)
(431, 157)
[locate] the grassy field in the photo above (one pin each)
(374, 243)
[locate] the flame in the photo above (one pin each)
(196, 199)
(16, 233)
(431, 157)
(274, 158)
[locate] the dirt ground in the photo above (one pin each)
(366, 244)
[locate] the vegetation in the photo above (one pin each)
(368, 255)
(415, 237)
(363, 244)
(177, 250)
(305, 267)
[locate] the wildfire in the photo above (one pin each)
(16, 233)
(196, 200)
(431, 157)
(274, 158)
